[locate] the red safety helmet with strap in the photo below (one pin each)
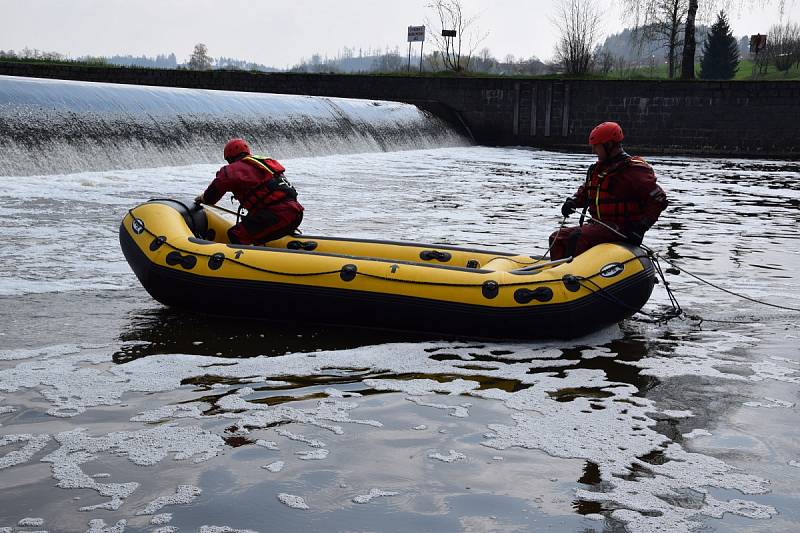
(606, 132)
(235, 148)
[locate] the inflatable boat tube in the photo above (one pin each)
(181, 256)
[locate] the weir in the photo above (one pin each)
(57, 126)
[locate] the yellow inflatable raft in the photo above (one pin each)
(180, 254)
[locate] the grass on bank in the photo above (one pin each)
(745, 73)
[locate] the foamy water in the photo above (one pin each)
(116, 414)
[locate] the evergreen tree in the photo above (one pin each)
(720, 52)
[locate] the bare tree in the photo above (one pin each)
(578, 21)
(200, 60)
(456, 52)
(661, 21)
(693, 7)
(689, 42)
(783, 45)
(603, 61)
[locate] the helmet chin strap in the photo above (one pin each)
(612, 148)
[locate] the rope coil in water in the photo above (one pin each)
(676, 308)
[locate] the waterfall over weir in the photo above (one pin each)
(54, 126)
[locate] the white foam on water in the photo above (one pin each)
(314, 443)
(33, 445)
(184, 495)
(710, 356)
(316, 455)
(31, 522)
(458, 411)
(695, 433)
(295, 502)
(160, 519)
(372, 494)
(613, 430)
(144, 448)
(222, 529)
(451, 457)
(275, 466)
(597, 352)
(39, 353)
(420, 387)
(646, 500)
(98, 525)
(169, 412)
(770, 403)
(258, 415)
(336, 393)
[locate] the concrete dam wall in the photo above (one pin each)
(57, 126)
(734, 118)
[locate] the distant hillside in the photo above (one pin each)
(170, 61)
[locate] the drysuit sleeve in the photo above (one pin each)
(217, 188)
(581, 196)
(641, 184)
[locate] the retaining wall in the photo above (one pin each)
(735, 118)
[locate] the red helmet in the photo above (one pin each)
(234, 148)
(606, 132)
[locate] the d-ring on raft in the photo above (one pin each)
(181, 256)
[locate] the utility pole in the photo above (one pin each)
(449, 35)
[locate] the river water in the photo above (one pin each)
(117, 414)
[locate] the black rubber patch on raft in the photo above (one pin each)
(427, 255)
(542, 294)
(216, 260)
(157, 242)
(348, 272)
(572, 283)
(300, 245)
(490, 289)
(186, 261)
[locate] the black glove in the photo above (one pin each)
(199, 200)
(569, 207)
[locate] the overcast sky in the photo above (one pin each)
(281, 33)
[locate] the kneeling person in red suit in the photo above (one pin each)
(260, 187)
(620, 191)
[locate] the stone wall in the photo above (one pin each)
(743, 118)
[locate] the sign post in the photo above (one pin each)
(416, 34)
(448, 35)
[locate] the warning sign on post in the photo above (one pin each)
(416, 34)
